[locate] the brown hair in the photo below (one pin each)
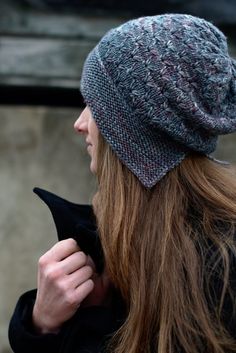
(169, 251)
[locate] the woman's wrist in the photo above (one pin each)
(42, 326)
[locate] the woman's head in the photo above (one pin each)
(159, 88)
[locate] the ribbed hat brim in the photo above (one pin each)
(149, 154)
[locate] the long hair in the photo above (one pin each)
(170, 250)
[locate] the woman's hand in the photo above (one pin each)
(64, 281)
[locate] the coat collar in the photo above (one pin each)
(75, 221)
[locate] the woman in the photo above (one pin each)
(158, 91)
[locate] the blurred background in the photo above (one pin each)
(43, 44)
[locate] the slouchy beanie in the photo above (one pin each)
(159, 88)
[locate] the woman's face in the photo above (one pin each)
(86, 126)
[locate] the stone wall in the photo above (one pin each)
(38, 147)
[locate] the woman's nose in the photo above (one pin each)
(81, 124)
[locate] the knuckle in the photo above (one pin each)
(54, 248)
(42, 262)
(71, 299)
(52, 274)
(62, 287)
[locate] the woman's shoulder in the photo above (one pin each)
(89, 329)
(22, 336)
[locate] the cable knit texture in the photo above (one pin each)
(160, 87)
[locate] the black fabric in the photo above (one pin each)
(90, 328)
(87, 332)
(22, 337)
(75, 221)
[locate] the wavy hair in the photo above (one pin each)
(171, 252)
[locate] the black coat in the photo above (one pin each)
(87, 332)
(91, 327)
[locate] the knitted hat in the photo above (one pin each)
(160, 87)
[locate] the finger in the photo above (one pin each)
(91, 263)
(73, 262)
(80, 276)
(61, 250)
(83, 290)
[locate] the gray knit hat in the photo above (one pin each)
(160, 87)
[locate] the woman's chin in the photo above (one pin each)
(93, 167)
